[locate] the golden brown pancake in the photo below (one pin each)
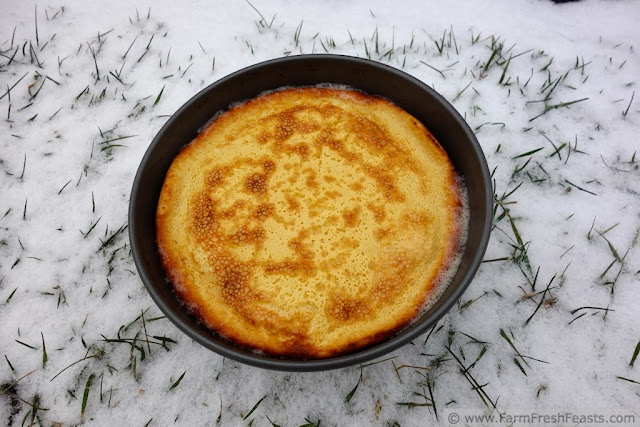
(309, 222)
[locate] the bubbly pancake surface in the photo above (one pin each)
(309, 222)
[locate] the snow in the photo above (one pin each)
(60, 287)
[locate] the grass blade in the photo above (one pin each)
(85, 396)
(635, 354)
(44, 352)
(528, 153)
(254, 407)
(159, 96)
(353, 391)
(177, 383)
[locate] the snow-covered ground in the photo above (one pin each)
(551, 322)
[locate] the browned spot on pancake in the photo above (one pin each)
(269, 166)
(294, 176)
(301, 263)
(301, 149)
(311, 181)
(334, 144)
(232, 211)
(256, 183)
(364, 131)
(283, 267)
(326, 139)
(215, 177)
(330, 178)
(386, 183)
(247, 236)
(204, 217)
(263, 211)
(382, 233)
(357, 186)
(290, 267)
(233, 279)
(393, 271)
(419, 219)
(332, 219)
(343, 308)
(292, 203)
(328, 110)
(333, 194)
(370, 133)
(286, 124)
(227, 213)
(379, 213)
(231, 274)
(298, 120)
(347, 243)
(351, 216)
(264, 315)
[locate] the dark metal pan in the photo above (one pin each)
(374, 78)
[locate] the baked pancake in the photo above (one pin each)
(310, 222)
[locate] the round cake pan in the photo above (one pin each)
(374, 78)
